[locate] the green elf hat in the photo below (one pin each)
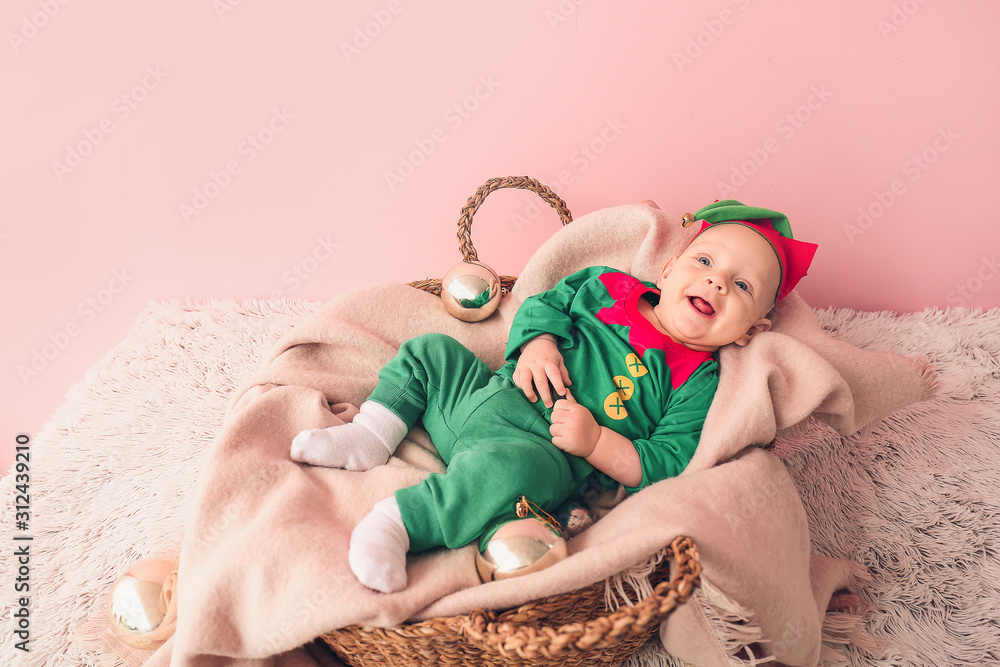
(794, 257)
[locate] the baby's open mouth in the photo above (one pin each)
(702, 306)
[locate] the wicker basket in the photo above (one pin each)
(469, 254)
(568, 629)
(572, 628)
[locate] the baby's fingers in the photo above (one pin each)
(523, 379)
(542, 386)
(556, 376)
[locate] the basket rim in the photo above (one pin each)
(528, 640)
(468, 212)
(465, 245)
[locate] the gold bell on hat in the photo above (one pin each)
(142, 609)
(471, 291)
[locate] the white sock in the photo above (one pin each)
(377, 552)
(368, 441)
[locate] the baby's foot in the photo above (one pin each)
(366, 442)
(377, 552)
(349, 446)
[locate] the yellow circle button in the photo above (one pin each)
(614, 406)
(625, 386)
(635, 366)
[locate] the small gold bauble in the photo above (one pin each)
(139, 606)
(471, 291)
(576, 517)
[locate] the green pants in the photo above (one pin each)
(495, 443)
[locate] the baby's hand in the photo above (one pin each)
(539, 364)
(574, 429)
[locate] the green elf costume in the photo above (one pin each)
(495, 443)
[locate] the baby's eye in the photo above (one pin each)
(705, 260)
(743, 286)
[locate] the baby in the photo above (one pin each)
(639, 359)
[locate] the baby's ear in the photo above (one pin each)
(760, 326)
(667, 268)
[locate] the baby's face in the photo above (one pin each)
(719, 289)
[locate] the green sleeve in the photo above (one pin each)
(674, 439)
(550, 311)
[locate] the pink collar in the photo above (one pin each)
(626, 290)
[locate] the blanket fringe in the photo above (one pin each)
(734, 626)
(846, 627)
(652, 654)
(928, 375)
(637, 578)
(839, 630)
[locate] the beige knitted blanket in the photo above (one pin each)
(263, 565)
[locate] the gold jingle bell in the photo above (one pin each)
(519, 548)
(142, 609)
(471, 291)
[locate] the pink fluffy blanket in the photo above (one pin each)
(263, 566)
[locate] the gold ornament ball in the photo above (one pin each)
(471, 291)
(138, 606)
(519, 548)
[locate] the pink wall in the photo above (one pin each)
(873, 125)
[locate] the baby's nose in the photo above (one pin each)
(717, 284)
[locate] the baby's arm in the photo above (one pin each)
(540, 321)
(539, 364)
(575, 431)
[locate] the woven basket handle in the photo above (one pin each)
(469, 253)
(530, 642)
